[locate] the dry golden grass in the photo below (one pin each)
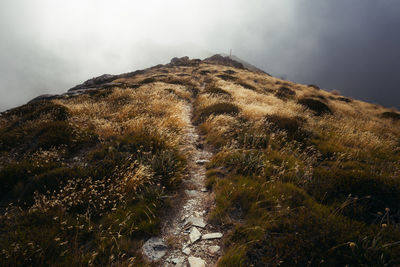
(128, 110)
(271, 149)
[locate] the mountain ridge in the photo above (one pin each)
(199, 163)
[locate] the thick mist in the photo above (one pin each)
(48, 46)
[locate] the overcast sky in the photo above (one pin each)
(48, 46)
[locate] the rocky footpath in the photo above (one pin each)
(187, 239)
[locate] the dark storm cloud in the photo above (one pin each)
(48, 46)
(349, 45)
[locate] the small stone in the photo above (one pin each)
(204, 189)
(178, 262)
(194, 235)
(214, 249)
(212, 236)
(196, 262)
(154, 248)
(186, 251)
(197, 221)
(202, 161)
(192, 193)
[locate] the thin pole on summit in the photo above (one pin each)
(230, 53)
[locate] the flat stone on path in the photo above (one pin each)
(192, 193)
(186, 251)
(194, 235)
(212, 236)
(154, 248)
(197, 221)
(202, 161)
(196, 262)
(213, 249)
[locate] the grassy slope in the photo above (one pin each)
(84, 178)
(302, 176)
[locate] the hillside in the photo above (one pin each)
(214, 163)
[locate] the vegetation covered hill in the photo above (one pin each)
(301, 176)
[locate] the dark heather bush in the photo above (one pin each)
(226, 77)
(290, 125)
(217, 91)
(314, 86)
(335, 185)
(246, 85)
(285, 92)
(391, 115)
(230, 72)
(317, 106)
(344, 99)
(215, 109)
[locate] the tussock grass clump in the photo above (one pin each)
(147, 80)
(391, 115)
(227, 77)
(44, 131)
(248, 162)
(344, 99)
(316, 106)
(215, 109)
(100, 93)
(285, 93)
(36, 110)
(230, 72)
(205, 72)
(246, 85)
(293, 126)
(313, 86)
(216, 91)
(16, 175)
(253, 140)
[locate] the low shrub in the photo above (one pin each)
(252, 139)
(36, 110)
(15, 176)
(246, 85)
(242, 162)
(314, 86)
(291, 125)
(344, 99)
(391, 115)
(194, 91)
(205, 72)
(317, 106)
(227, 77)
(53, 134)
(101, 93)
(215, 109)
(334, 185)
(229, 72)
(147, 80)
(216, 91)
(285, 93)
